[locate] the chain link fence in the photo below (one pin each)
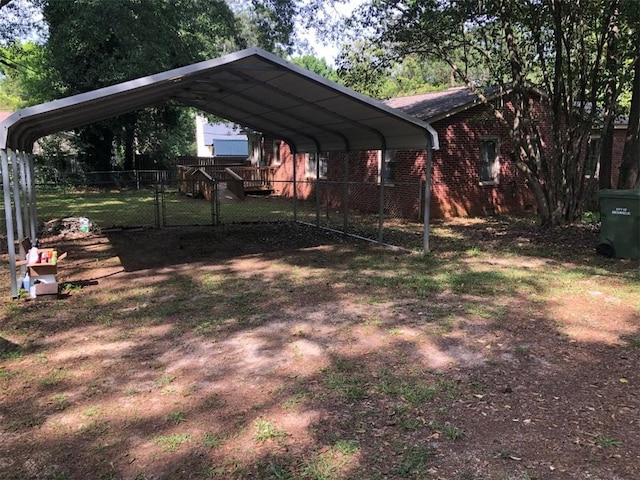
(161, 199)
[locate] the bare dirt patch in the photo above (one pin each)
(281, 351)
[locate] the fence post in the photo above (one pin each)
(316, 156)
(156, 205)
(345, 194)
(31, 182)
(215, 203)
(295, 185)
(382, 172)
(427, 195)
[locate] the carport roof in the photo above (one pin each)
(252, 88)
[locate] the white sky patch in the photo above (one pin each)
(324, 47)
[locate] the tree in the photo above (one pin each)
(316, 65)
(26, 80)
(268, 24)
(554, 47)
(95, 43)
(375, 72)
(630, 166)
(19, 20)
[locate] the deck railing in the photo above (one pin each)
(240, 180)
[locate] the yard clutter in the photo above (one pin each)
(68, 226)
(42, 269)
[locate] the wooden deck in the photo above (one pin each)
(241, 181)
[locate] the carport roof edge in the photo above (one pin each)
(251, 87)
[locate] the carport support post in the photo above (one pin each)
(295, 184)
(383, 158)
(316, 156)
(8, 215)
(345, 194)
(427, 194)
(31, 186)
(19, 188)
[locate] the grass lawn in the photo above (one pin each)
(144, 208)
(139, 208)
(276, 351)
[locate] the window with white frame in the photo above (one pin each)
(275, 159)
(489, 167)
(311, 165)
(389, 166)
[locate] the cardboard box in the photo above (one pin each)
(45, 284)
(42, 274)
(43, 268)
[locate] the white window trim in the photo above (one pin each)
(312, 174)
(275, 159)
(391, 155)
(496, 166)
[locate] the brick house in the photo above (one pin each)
(472, 172)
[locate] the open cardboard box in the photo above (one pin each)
(42, 268)
(45, 284)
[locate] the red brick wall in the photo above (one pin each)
(456, 188)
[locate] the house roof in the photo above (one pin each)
(230, 148)
(434, 106)
(252, 88)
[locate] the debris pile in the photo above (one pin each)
(69, 227)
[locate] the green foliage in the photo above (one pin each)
(316, 65)
(19, 19)
(26, 80)
(266, 430)
(373, 71)
(97, 43)
(269, 24)
(516, 45)
(171, 443)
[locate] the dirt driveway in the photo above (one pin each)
(279, 351)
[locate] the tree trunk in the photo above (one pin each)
(129, 139)
(630, 166)
(611, 98)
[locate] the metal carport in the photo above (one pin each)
(252, 88)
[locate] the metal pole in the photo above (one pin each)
(345, 200)
(214, 202)
(316, 155)
(156, 204)
(18, 190)
(26, 185)
(31, 184)
(8, 215)
(383, 159)
(427, 195)
(295, 184)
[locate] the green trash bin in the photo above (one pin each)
(620, 223)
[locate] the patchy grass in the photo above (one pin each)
(272, 351)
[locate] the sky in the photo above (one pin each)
(324, 48)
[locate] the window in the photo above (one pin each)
(489, 162)
(310, 165)
(389, 166)
(275, 159)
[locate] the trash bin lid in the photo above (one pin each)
(611, 193)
